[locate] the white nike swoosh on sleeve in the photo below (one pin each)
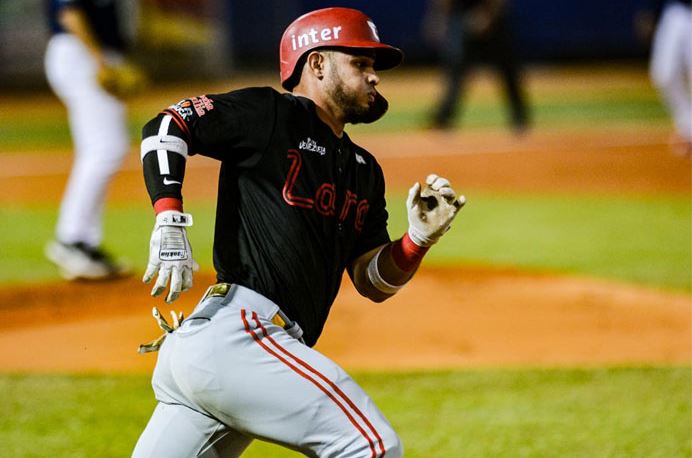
(166, 181)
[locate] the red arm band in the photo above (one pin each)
(168, 203)
(406, 254)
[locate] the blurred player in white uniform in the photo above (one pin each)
(86, 39)
(671, 68)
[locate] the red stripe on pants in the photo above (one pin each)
(306, 376)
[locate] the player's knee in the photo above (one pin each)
(111, 157)
(662, 76)
(387, 443)
(118, 150)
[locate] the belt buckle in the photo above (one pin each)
(291, 327)
(277, 320)
(218, 290)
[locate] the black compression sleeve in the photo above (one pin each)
(163, 173)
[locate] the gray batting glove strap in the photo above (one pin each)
(170, 255)
(431, 210)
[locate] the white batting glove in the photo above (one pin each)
(431, 210)
(170, 255)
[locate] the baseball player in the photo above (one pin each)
(83, 62)
(477, 32)
(671, 68)
(298, 204)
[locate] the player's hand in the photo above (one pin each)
(170, 255)
(431, 210)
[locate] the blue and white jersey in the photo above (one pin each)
(102, 16)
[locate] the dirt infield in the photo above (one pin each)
(447, 318)
(451, 317)
(610, 160)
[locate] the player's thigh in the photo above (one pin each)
(99, 124)
(667, 47)
(288, 393)
(176, 431)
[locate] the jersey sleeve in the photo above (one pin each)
(234, 127)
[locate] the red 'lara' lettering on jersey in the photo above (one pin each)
(361, 211)
(324, 201)
(296, 163)
(348, 201)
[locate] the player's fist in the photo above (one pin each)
(170, 255)
(431, 210)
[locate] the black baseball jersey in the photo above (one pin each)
(296, 204)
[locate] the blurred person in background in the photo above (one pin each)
(86, 69)
(468, 33)
(669, 23)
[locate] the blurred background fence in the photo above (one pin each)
(184, 39)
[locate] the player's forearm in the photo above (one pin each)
(382, 272)
(164, 155)
(72, 19)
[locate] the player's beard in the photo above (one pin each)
(354, 111)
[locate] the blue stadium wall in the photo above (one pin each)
(546, 30)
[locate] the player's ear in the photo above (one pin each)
(315, 63)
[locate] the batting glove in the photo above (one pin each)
(170, 255)
(431, 210)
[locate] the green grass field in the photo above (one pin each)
(602, 412)
(620, 412)
(586, 235)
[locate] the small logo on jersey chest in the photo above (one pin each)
(311, 145)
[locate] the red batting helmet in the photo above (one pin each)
(331, 27)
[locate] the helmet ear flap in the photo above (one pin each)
(293, 80)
